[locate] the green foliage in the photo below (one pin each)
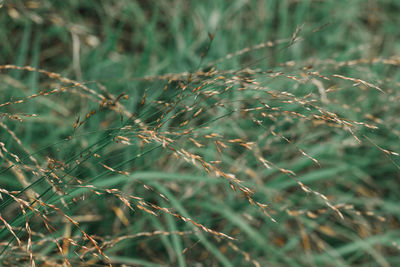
(153, 133)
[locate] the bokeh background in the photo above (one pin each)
(112, 46)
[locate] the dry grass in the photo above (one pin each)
(236, 151)
(182, 121)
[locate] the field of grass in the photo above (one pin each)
(199, 133)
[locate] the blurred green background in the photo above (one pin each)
(113, 44)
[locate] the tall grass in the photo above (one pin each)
(170, 137)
